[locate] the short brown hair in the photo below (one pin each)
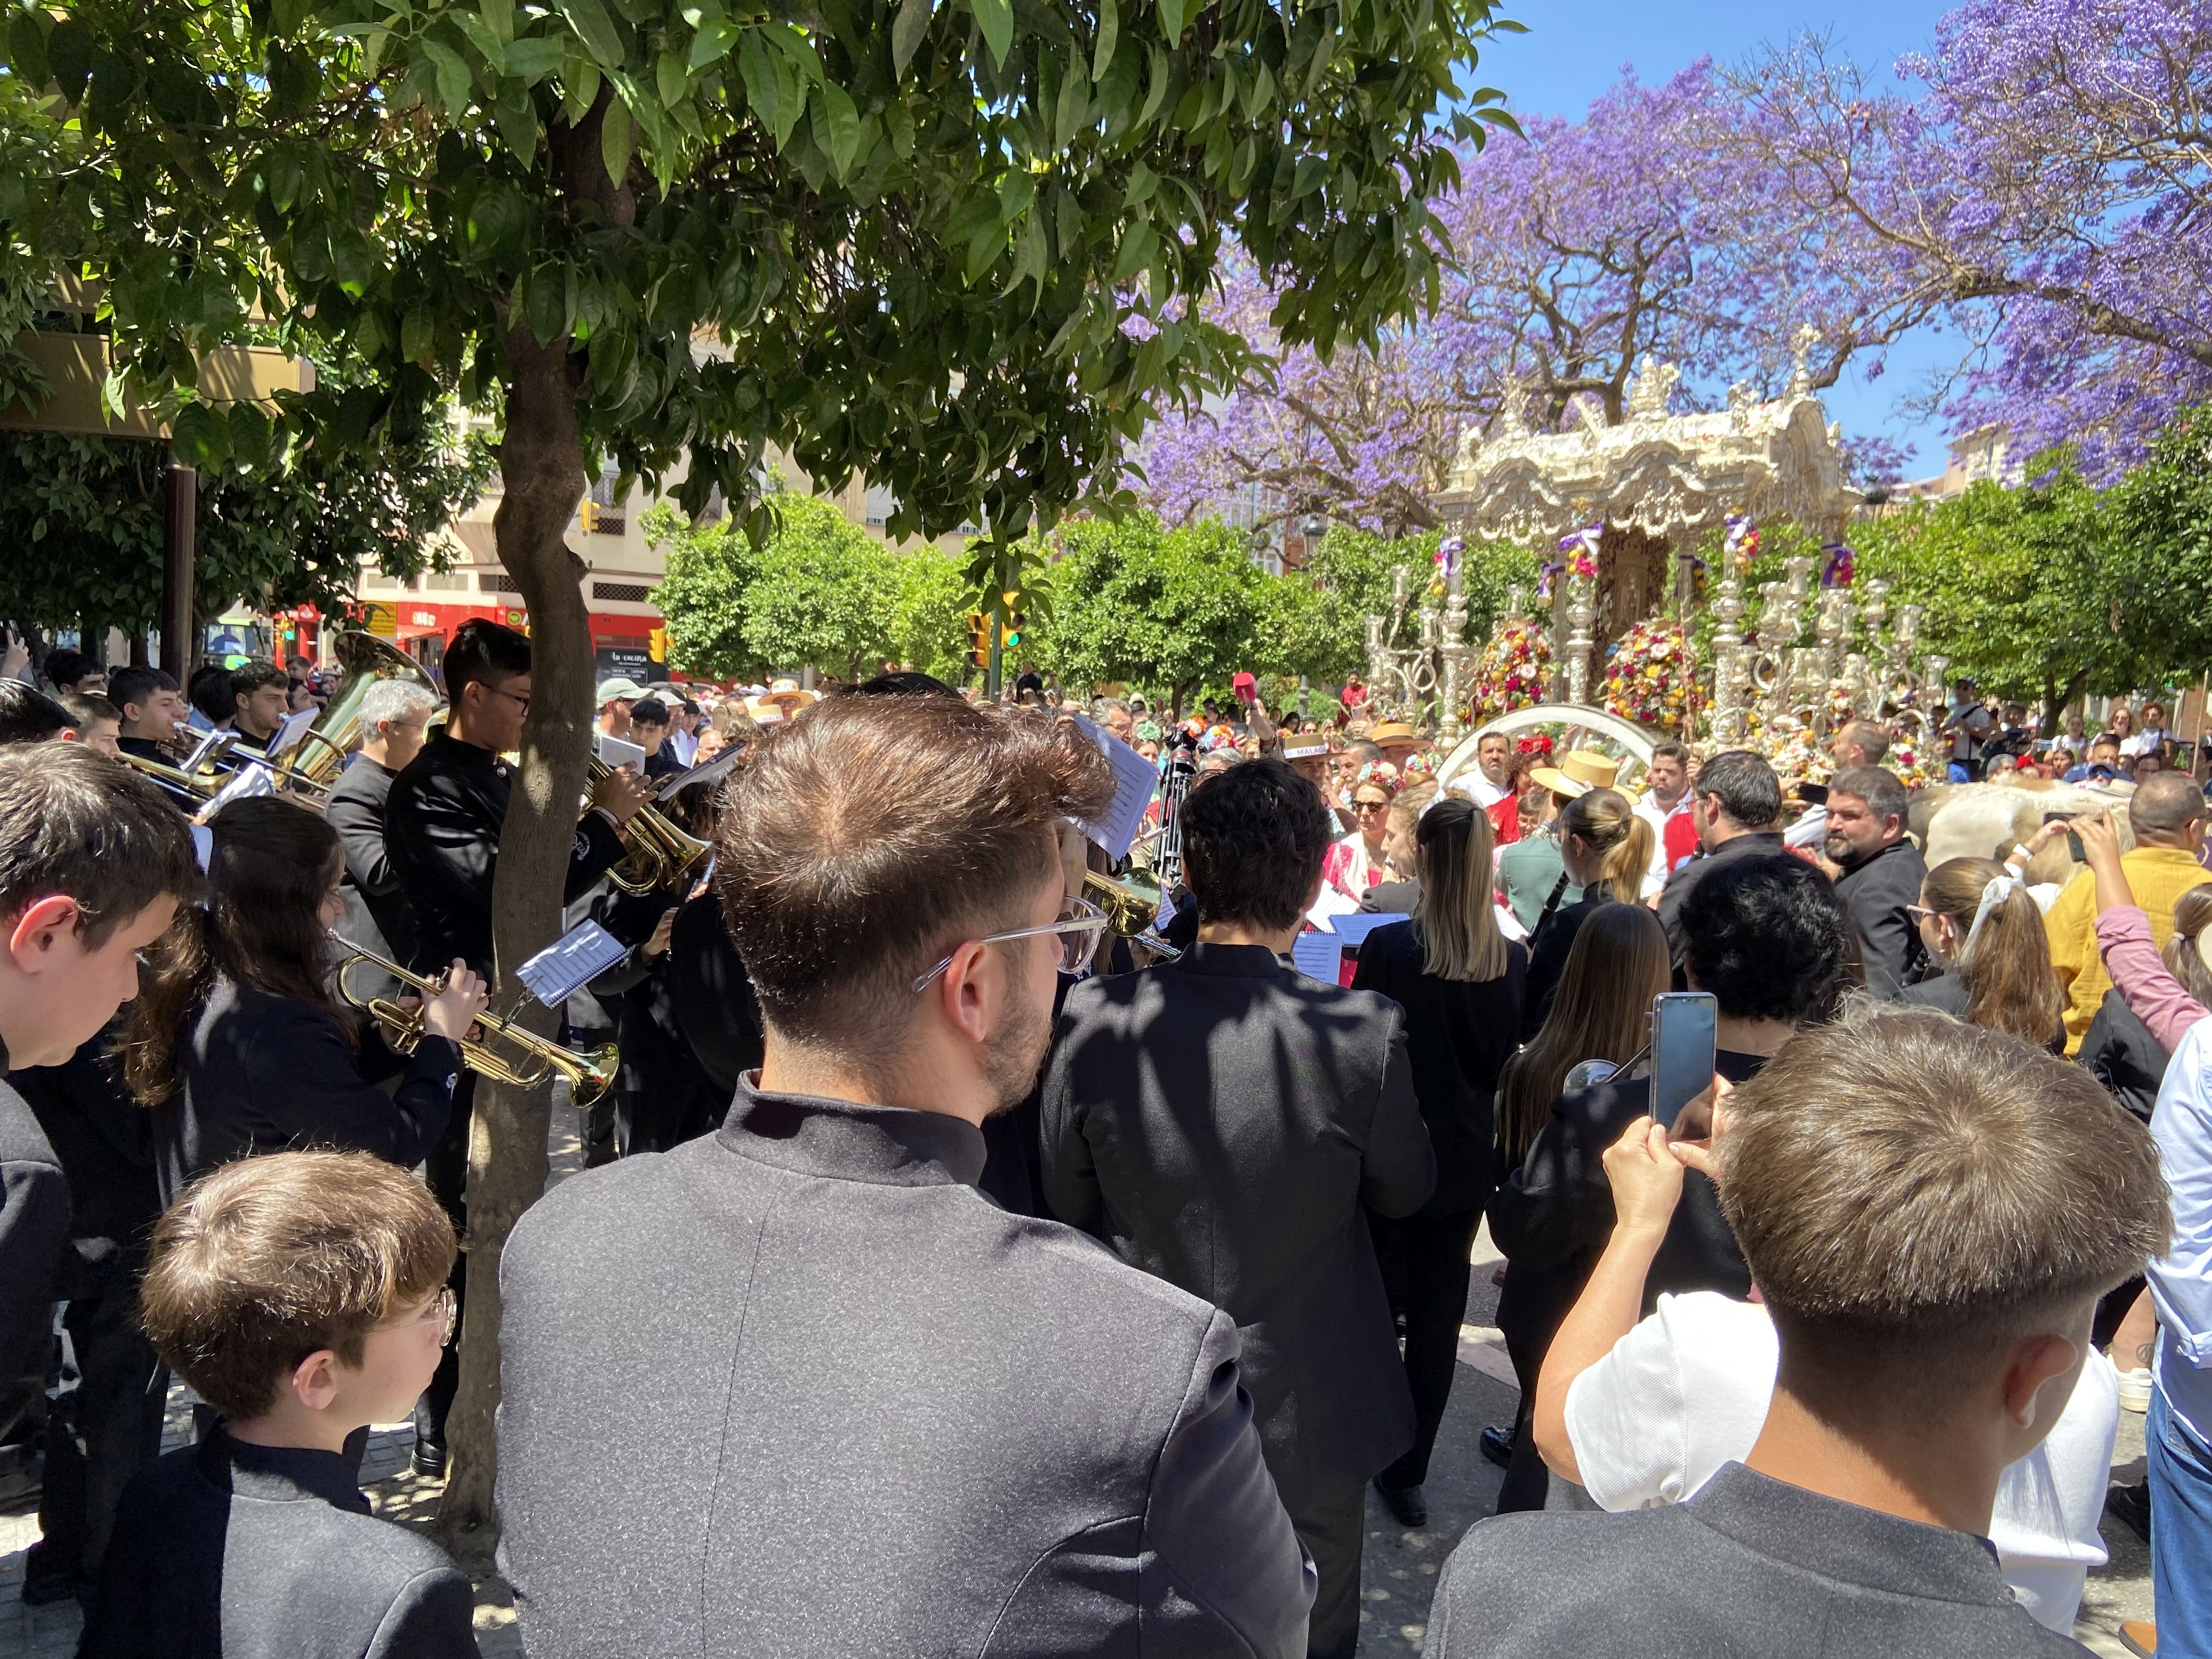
(870, 835)
(266, 1260)
(74, 822)
(1911, 1194)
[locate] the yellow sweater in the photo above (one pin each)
(2159, 876)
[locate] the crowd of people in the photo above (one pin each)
(943, 1280)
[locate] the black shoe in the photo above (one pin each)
(1406, 1503)
(1498, 1446)
(428, 1460)
(2132, 1505)
(44, 1583)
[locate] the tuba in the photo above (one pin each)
(660, 856)
(337, 731)
(506, 1052)
(1130, 902)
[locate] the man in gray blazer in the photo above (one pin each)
(1222, 1120)
(798, 1388)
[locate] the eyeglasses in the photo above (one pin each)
(442, 1307)
(1921, 913)
(1370, 807)
(1079, 924)
(501, 691)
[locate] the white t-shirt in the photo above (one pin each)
(1687, 1391)
(1656, 816)
(1477, 788)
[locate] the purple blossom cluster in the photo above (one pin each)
(2039, 185)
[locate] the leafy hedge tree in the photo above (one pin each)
(1168, 610)
(957, 243)
(821, 593)
(2055, 587)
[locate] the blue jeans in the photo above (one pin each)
(2180, 1532)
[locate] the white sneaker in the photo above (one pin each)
(2135, 1389)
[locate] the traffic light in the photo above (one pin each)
(1013, 625)
(978, 639)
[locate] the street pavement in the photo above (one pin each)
(1402, 1565)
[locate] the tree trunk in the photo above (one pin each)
(542, 460)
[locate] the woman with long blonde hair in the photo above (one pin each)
(1605, 850)
(1459, 981)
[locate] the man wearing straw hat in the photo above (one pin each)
(1532, 871)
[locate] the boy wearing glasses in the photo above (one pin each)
(302, 1295)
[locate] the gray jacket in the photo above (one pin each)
(796, 1388)
(1751, 1568)
(230, 1550)
(1225, 1122)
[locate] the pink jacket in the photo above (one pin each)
(2143, 980)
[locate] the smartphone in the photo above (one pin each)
(2058, 817)
(2073, 837)
(1813, 794)
(1681, 1051)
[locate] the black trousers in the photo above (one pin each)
(102, 1430)
(1434, 1253)
(1333, 1526)
(446, 1172)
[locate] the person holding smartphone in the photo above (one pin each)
(1952, 1407)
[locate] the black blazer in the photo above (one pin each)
(798, 1388)
(34, 1228)
(1459, 1035)
(355, 811)
(1221, 1121)
(268, 1074)
(442, 826)
(1877, 893)
(230, 1551)
(2120, 1053)
(1685, 882)
(712, 994)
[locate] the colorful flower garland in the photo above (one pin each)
(1651, 675)
(1515, 671)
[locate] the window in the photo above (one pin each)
(621, 593)
(498, 582)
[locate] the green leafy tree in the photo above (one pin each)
(1168, 610)
(825, 595)
(959, 244)
(929, 627)
(2053, 588)
(710, 570)
(82, 519)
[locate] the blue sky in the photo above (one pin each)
(1575, 49)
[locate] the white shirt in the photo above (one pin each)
(1477, 788)
(1811, 830)
(2146, 741)
(685, 745)
(1687, 1391)
(1654, 814)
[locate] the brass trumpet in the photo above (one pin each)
(591, 1072)
(660, 855)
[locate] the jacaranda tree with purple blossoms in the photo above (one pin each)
(1656, 224)
(2048, 167)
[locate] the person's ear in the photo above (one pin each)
(41, 924)
(962, 995)
(314, 1380)
(2035, 1361)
